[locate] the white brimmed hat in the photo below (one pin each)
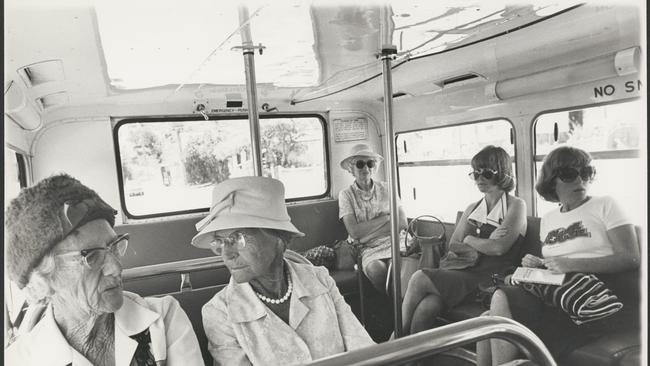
(360, 150)
(246, 202)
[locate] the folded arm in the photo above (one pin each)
(502, 239)
(371, 229)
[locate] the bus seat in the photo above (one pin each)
(320, 223)
(620, 348)
(192, 302)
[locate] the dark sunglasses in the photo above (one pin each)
(569, 174)
(486, 173)
(360, 164)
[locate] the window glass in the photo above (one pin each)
(13, 295)
(434, 165)
(613, 135)
(171, 166)
(12, 176)
(293, 151)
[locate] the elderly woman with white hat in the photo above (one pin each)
(63, 252)
(273, 311)
(364, 208)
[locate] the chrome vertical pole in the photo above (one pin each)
(388, 52)
(251, 88)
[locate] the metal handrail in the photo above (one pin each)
(438, 340)
(189, 266)
(178, 267)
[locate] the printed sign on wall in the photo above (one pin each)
(350, 129)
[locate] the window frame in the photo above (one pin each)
(604, 155)
(119, 122)
(513, 141)
(21, 161)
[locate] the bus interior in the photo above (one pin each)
(151, 103)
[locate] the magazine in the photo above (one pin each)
(537, 275)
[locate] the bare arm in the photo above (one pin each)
(500, 242)
(625, 257)
(377, 227)
(360, 230)
(462, 229)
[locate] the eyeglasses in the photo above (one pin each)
(94, 258)
(486, 173)
(569, 174)
(360, 164)
(236, 239)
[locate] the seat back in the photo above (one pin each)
(531, 243)
(192, 302)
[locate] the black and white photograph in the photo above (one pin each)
(326, 183)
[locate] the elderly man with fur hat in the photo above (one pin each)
(61, 249)
(274, 311)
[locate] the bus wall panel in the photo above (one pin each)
(83, 149)
(169, 240)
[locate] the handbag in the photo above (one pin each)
(321, 256)
(430, 242)
(346, 255)
(419, 252)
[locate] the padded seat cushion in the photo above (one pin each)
(346, 281)
(620, 348)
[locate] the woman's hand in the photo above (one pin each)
(558, 264)
(499, 232)
(532, 261)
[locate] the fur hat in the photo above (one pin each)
(43, 215)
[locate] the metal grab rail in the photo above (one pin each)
(190, 266)
(438, 340)
(178, 267)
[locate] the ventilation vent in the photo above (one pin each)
(234, 100)
(397, 95)
(459, 80)
(42, 72)
(52, 100)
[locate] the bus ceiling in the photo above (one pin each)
(67, 58)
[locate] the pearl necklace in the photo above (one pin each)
(283, 298)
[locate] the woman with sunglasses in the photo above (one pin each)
(364, 209)
(63, 252)
(484, 242)
(585, 234)
(273, 311)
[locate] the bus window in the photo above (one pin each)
(13, 174)
(169, 166)
(433, 166)
(612, 135)
(14, 181)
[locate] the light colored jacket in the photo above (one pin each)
(241, 330)
(173, 342)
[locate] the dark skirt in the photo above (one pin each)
(454, 285)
